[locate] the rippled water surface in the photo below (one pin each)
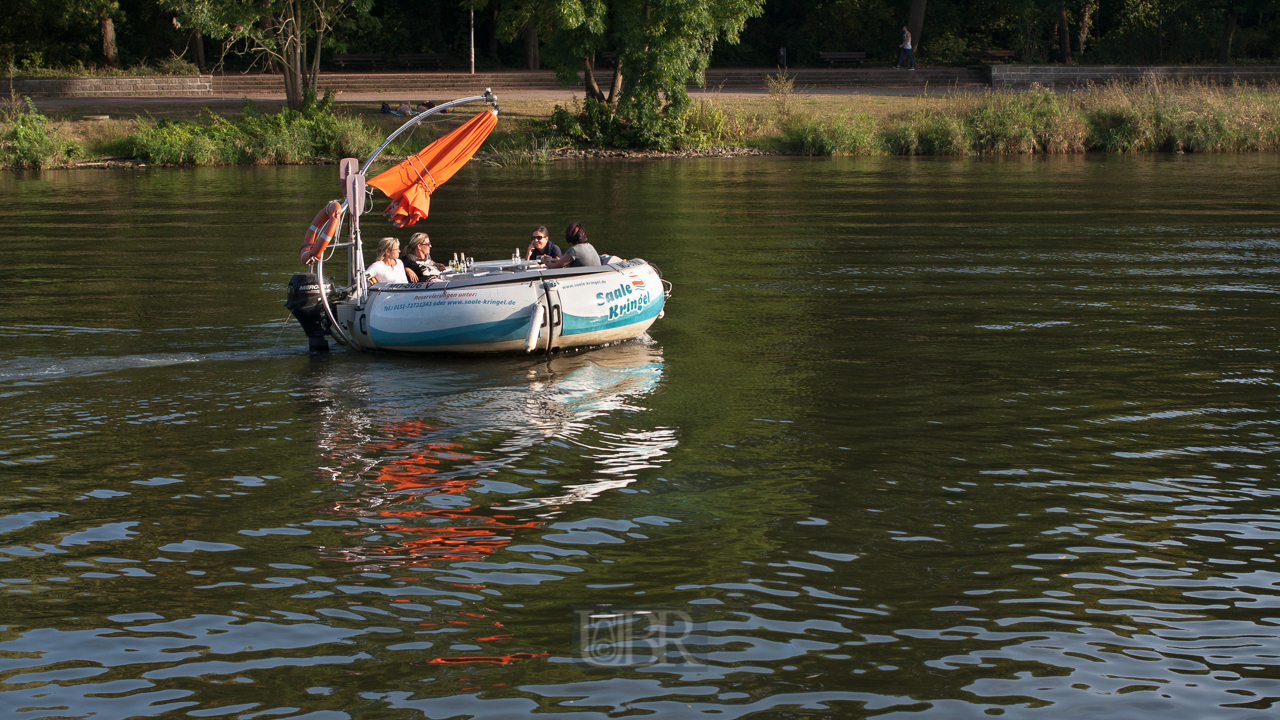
(951, 438)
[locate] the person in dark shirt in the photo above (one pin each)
(580, 253)
(418, 260)
(541, 247)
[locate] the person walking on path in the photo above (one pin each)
(904, 50)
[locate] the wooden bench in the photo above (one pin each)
(412, 59)
(357, 61)
(984, 55)
(835, 57)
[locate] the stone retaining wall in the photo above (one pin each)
(1021, 76)
(124, 86)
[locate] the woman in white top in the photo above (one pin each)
(389, 268)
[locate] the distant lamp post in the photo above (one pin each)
(473, 37)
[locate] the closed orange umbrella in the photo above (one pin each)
(410, 184)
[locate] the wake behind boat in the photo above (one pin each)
(474, 307)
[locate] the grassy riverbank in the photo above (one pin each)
(1153, 117)
(1134, 118)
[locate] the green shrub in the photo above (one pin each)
(853, 135)
(591, 123)
(1035, 121)
(705, 125)
(928, 132)
(597, 124)
(28, 141)
(1120, 129)
(176, 143)
(174, 65)
(288, 137)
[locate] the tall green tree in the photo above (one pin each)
(659, 46)
(287, 34)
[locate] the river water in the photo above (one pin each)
(942, 437)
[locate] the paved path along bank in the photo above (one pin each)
(543, 84)
(525, 84)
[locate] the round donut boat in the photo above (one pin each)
(477, 307)
(509, 306)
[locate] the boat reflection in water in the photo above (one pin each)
(453, 476)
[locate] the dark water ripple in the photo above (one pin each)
(956, 438)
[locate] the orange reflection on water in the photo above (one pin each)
(451, 534)
(485, 659)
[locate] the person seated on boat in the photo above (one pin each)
(580, 253)
(541, 247)
(418, 264)
(389, 268)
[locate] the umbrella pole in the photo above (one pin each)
(415, 120)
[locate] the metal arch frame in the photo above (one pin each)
(355, 245)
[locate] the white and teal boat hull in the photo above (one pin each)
(509, 307)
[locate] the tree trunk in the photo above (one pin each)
(1224, 47)
(1086, 21)
(615, 88)
(292, 58)
(1026, 37)
(108, 38)
(301, 49)
(315, 61)
(1064, 35)
(433, 20)
(197, 49)
(493, 34)
(589, 79)
(915, 23)
(531, 59)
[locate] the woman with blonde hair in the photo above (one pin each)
(389, 268)
(417, 260)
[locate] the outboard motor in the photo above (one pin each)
(307, 305)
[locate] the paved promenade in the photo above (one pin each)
(542, 84)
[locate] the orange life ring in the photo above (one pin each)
(322, 230)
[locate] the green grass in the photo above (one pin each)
(1119, 119)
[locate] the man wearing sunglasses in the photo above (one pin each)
(540, 248)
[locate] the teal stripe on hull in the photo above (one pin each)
(497, 331)
(576, 324)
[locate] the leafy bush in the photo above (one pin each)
(1036, 121)
(946, 48)
(929, 132)
(853, 135)
(252, 139)
(176, 143)
(705, 125)
(28, 141)
(591, 123)
(175, 65)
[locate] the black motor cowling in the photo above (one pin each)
(307, 305)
